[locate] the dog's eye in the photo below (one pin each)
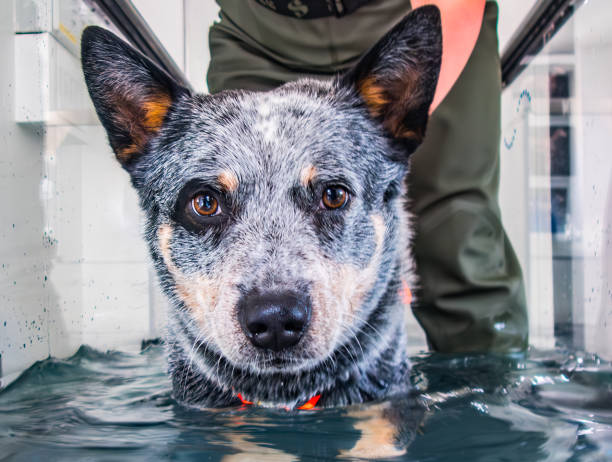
(205, 205)
(334, 197)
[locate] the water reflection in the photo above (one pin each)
(549, 405)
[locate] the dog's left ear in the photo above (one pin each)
(397, 78)
(132, 96)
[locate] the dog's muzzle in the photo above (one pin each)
(275, 320)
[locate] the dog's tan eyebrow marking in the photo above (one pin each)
(307, 175)
(228, 180)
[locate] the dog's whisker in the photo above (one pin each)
(346, 357)
(368, 325)
(329, 358)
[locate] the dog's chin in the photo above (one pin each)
(268, 362)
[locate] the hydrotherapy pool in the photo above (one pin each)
(74, 272)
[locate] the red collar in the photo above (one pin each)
(310, 404)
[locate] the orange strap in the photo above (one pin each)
(242, 400)
(312, 402)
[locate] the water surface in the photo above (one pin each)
(116, 406)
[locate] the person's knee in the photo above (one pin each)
(463, 235)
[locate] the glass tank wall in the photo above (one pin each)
(556, 191)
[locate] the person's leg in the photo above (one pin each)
(471, 296)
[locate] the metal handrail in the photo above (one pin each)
(539, 26)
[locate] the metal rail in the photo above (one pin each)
(539, 26)
(132, 25)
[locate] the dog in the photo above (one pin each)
(276, 220)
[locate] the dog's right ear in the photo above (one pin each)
(396, 79)
(132, 96)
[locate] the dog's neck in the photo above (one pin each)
(361, 370)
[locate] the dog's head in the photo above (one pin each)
(274, 218)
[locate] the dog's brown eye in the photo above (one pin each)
(335, 197)
(205, 205)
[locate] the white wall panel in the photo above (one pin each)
(73, 266)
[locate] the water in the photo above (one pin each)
(114, 406)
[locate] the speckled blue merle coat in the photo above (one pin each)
(298, 192)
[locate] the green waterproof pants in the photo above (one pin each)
(471, 295)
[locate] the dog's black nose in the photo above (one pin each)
(274, 321)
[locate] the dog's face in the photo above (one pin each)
(274, 219)
(278, 206)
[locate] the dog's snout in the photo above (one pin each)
(274, 321)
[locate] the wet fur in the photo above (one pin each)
(268, 156)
